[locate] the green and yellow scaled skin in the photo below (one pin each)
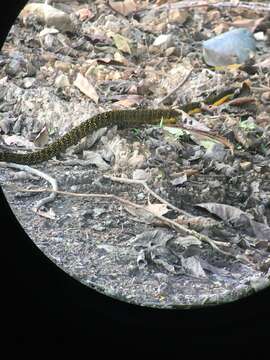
(122, 118)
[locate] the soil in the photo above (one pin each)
(220, 182)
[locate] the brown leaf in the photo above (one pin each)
(129, 101)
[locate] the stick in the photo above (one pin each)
(165, 220)
(41, 174)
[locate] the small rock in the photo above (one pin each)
(180, 180)
(5, 125)
(48, 15)
(95, 158)
(13, 67)
(63, 66)
(178, 16)
(98, 211)
(62, 81)
(28, 82)
(232, 47)
(98, 227)
(141, 196)
(140, 174)
(163, 41)
(215, 152)
(106, 249)
(170, 51)
(245, 165)
(265, 97)
(214, 184)
(137, 160)
(259, 36)
(259, 284)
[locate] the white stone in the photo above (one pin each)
(164, 41)
(62, 81)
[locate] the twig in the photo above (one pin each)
(165, 220)
(218, 4)
(144, 184)
(41, 174)
(176, 88)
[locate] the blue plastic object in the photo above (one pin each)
(233, 47)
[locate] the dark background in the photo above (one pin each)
(43, 301)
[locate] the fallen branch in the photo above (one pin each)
(164, 220)
(149, 190)
(41, 174)
(219, 4)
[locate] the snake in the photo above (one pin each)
(122, 118)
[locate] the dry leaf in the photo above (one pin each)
(223, 211)
(84, 85)
(122, 43)
(178, 16)
(42, 138)
(120, 58)
(191, 123)
(129, 101)
(125, 7)
(157, 209)
(84, 14)
(140, 213)
(238, 217)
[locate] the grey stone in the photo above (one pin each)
(232, 47)
(215, 152)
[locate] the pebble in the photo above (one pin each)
(216, 152)
(62, 81)
(141, 196)
(98, 227)
(13, 67)
(48, 15)
(140, 174)
(232, 47)
(28, 82)
(163, 41)
(245, 165)
(19, 65)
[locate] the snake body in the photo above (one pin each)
(122, 118)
